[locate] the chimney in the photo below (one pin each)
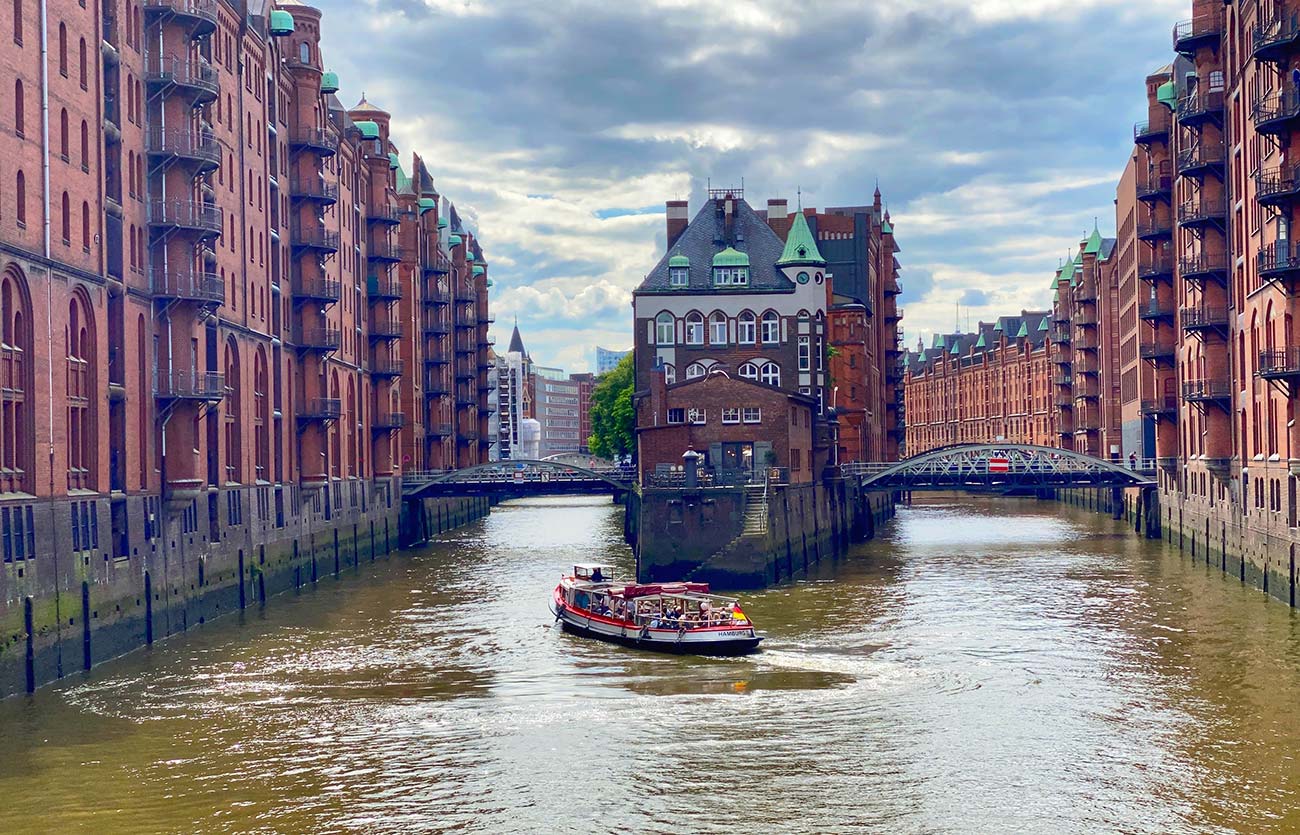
(677, 221)
(778, 217)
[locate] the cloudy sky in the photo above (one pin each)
(996, 128)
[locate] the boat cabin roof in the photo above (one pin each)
(584, 571)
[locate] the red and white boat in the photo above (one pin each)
(671, 617)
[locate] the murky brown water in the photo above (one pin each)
(983, 667)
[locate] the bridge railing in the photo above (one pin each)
(860, 469)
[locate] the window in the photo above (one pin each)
(805, 353)
(698, 417)
(770, 374)
(676, 416)
(63, 134)
(18, 22)
(730, 276)
(718, 328)
(15, 414)
(664, 327)
(749, 371)
(81, 440)
(752, 414)
(771, 328)
(695, 370)
(670, 374)
(745, 327)
(730, 415)
(679, 276)
(20, 194)
(85, 146)
(67, 220)
(304, 52)
(63, 50)
(18, 109)
(85, 226)
(694, 329)
(82, 49)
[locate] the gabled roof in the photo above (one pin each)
(800, 246)
(516, 342)
(706, 236)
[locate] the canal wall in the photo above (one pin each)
(74, 604)
(746, 538)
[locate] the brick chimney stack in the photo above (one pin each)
(677, 220)
(778, 217)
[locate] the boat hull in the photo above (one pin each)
(722, 641)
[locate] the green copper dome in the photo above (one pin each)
(478, 271)
(730, 257)
(455, 240)
(443, 223)
(281, 23)
(329, 82)
(427, 204)
(489, 282)
(1167, 94)
(369, 130)
(679, 260)
(393, 160)
(800, 246)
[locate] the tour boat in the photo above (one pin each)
(671, 617)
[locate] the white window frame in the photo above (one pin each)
(770, 374)
(805, 353)
(748, 371)
(697, 417)
(678, 413)
(699, 369)
(662, 327)
(730, 414)
(770, 328)
(717, 325)
(746, 329)
(670, 374)
(694, 328)
(679, 276)
(751, 414)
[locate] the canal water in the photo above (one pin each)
(983, 666)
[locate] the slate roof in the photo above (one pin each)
(705, 237)
(516, 343)
(1030, 325)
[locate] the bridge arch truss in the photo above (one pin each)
(1002, 467)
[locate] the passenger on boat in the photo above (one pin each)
(597, 576)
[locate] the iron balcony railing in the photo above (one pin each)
(1279, 364)
(1203, 265)
(1155, 186)
(323, 142)
(1154, 228)
(317, 338)
(1273, 185)
(1156, 309)
(1200, 105)
(1278, 260)
(1156, 268)
(313, 188)
(435, 297)
(1064, 401)
(1194, 212)
(1273, 39)
(188, 385)
(1085, 292)
(388, 421)
(192, 74)
(185, 143)
(387, 367)
(1204, 317)
(385, 329)
(383, 214)
(315, 236)
(383, 250)
(1160, 406)
(187, 214)
(1199, 157)
(321, 408)
(317, 288)
(1152, 130)
(1059, 335)
(187, 285)
(436, 263)
(1271, 114)
(1190, 35)
(436, 329)
(466, 320)
(204, 10)
(438, 430)
(1156, 351)
(382, 288)
(1206, 390)
(434, 387)
(1063, 380)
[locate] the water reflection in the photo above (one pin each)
(983, 666)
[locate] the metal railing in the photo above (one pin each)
(315, 139)
(187, 143)
(187, 214)
(187, 284)
(1269, 112)
(313, 188)
(188, 384)
(1270, 38)
(1155, 267)
(1196, 211)
(1201, 104)
(321, 339)
(1205, 28)
(1156, 309)
(388, 421)
(1279, 363)
(321, 408)
(383, 288)
(1204, 317)
(387, 367)
(315, 236)
(1160, 406)
(318, 287)
(182, 71)
(1151, 129)
(1203, 264)
(1202, 390)
(1200, 156)
(1277, 258)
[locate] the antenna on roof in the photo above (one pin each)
(798, 193)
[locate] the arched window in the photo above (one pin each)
(82, 55)
(696, 370)
(63, 134)
(694, 328)
(16, 438)
(67, 220)
(63, 50)
(234, 432)
(304, 52)
(142, 403)
(336, 443)
(85, 226)
(350, 417)
(670, 374)
(18, 22)
(81, 385)
(664, 327)
(771, 328)
(19, 126)
(749, 371)
(20, 195)
(718, 328)
(770, 374)
(745, 328)
(85, 146)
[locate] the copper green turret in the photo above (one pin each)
(800, 246)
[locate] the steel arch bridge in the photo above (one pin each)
(518, 478)
(1000, 468)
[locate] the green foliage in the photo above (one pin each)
(613, 419)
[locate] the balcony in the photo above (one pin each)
(1087, 391)
(434, 329)
(1205, 319)
(1060, 336)
(1161, 407)
(192, 77)
(316, 339)
(314, 140)
(465, 373)
(436, 297)
(1203, 212)
(1154, 130)
(1156, 269)
(385, 329)
(388, 215)
(1064, 401)
(1276, 114)
(1201, 159)
(1211, 266)
(314, 237)
(386, 367)
(1086, 342)
(314, 189)
(385, 251)
(1085, 293)
(438, 430)
(199, 15)
(1207, 391)
(466, 320)
(434, 387)
(198, 148)
(435, 263)
(1280, 365)
(388, 421)
(381, 288)
(187, 286)
(1155, 187)
(1274, 40)
(1157, 352)
(320, 409)
(1279, 261)
(1155, 310)
(1155, 228)
(1060, 314)
(1200, 107)
(1063, 380)
(186, 215)
(205, 386)
(1275, 186)
(317, 289)
(466, 348)
(1203, 31)
(436, 359)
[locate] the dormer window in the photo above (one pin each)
(730, 268)
(679, 276)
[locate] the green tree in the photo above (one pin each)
(613, 419)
